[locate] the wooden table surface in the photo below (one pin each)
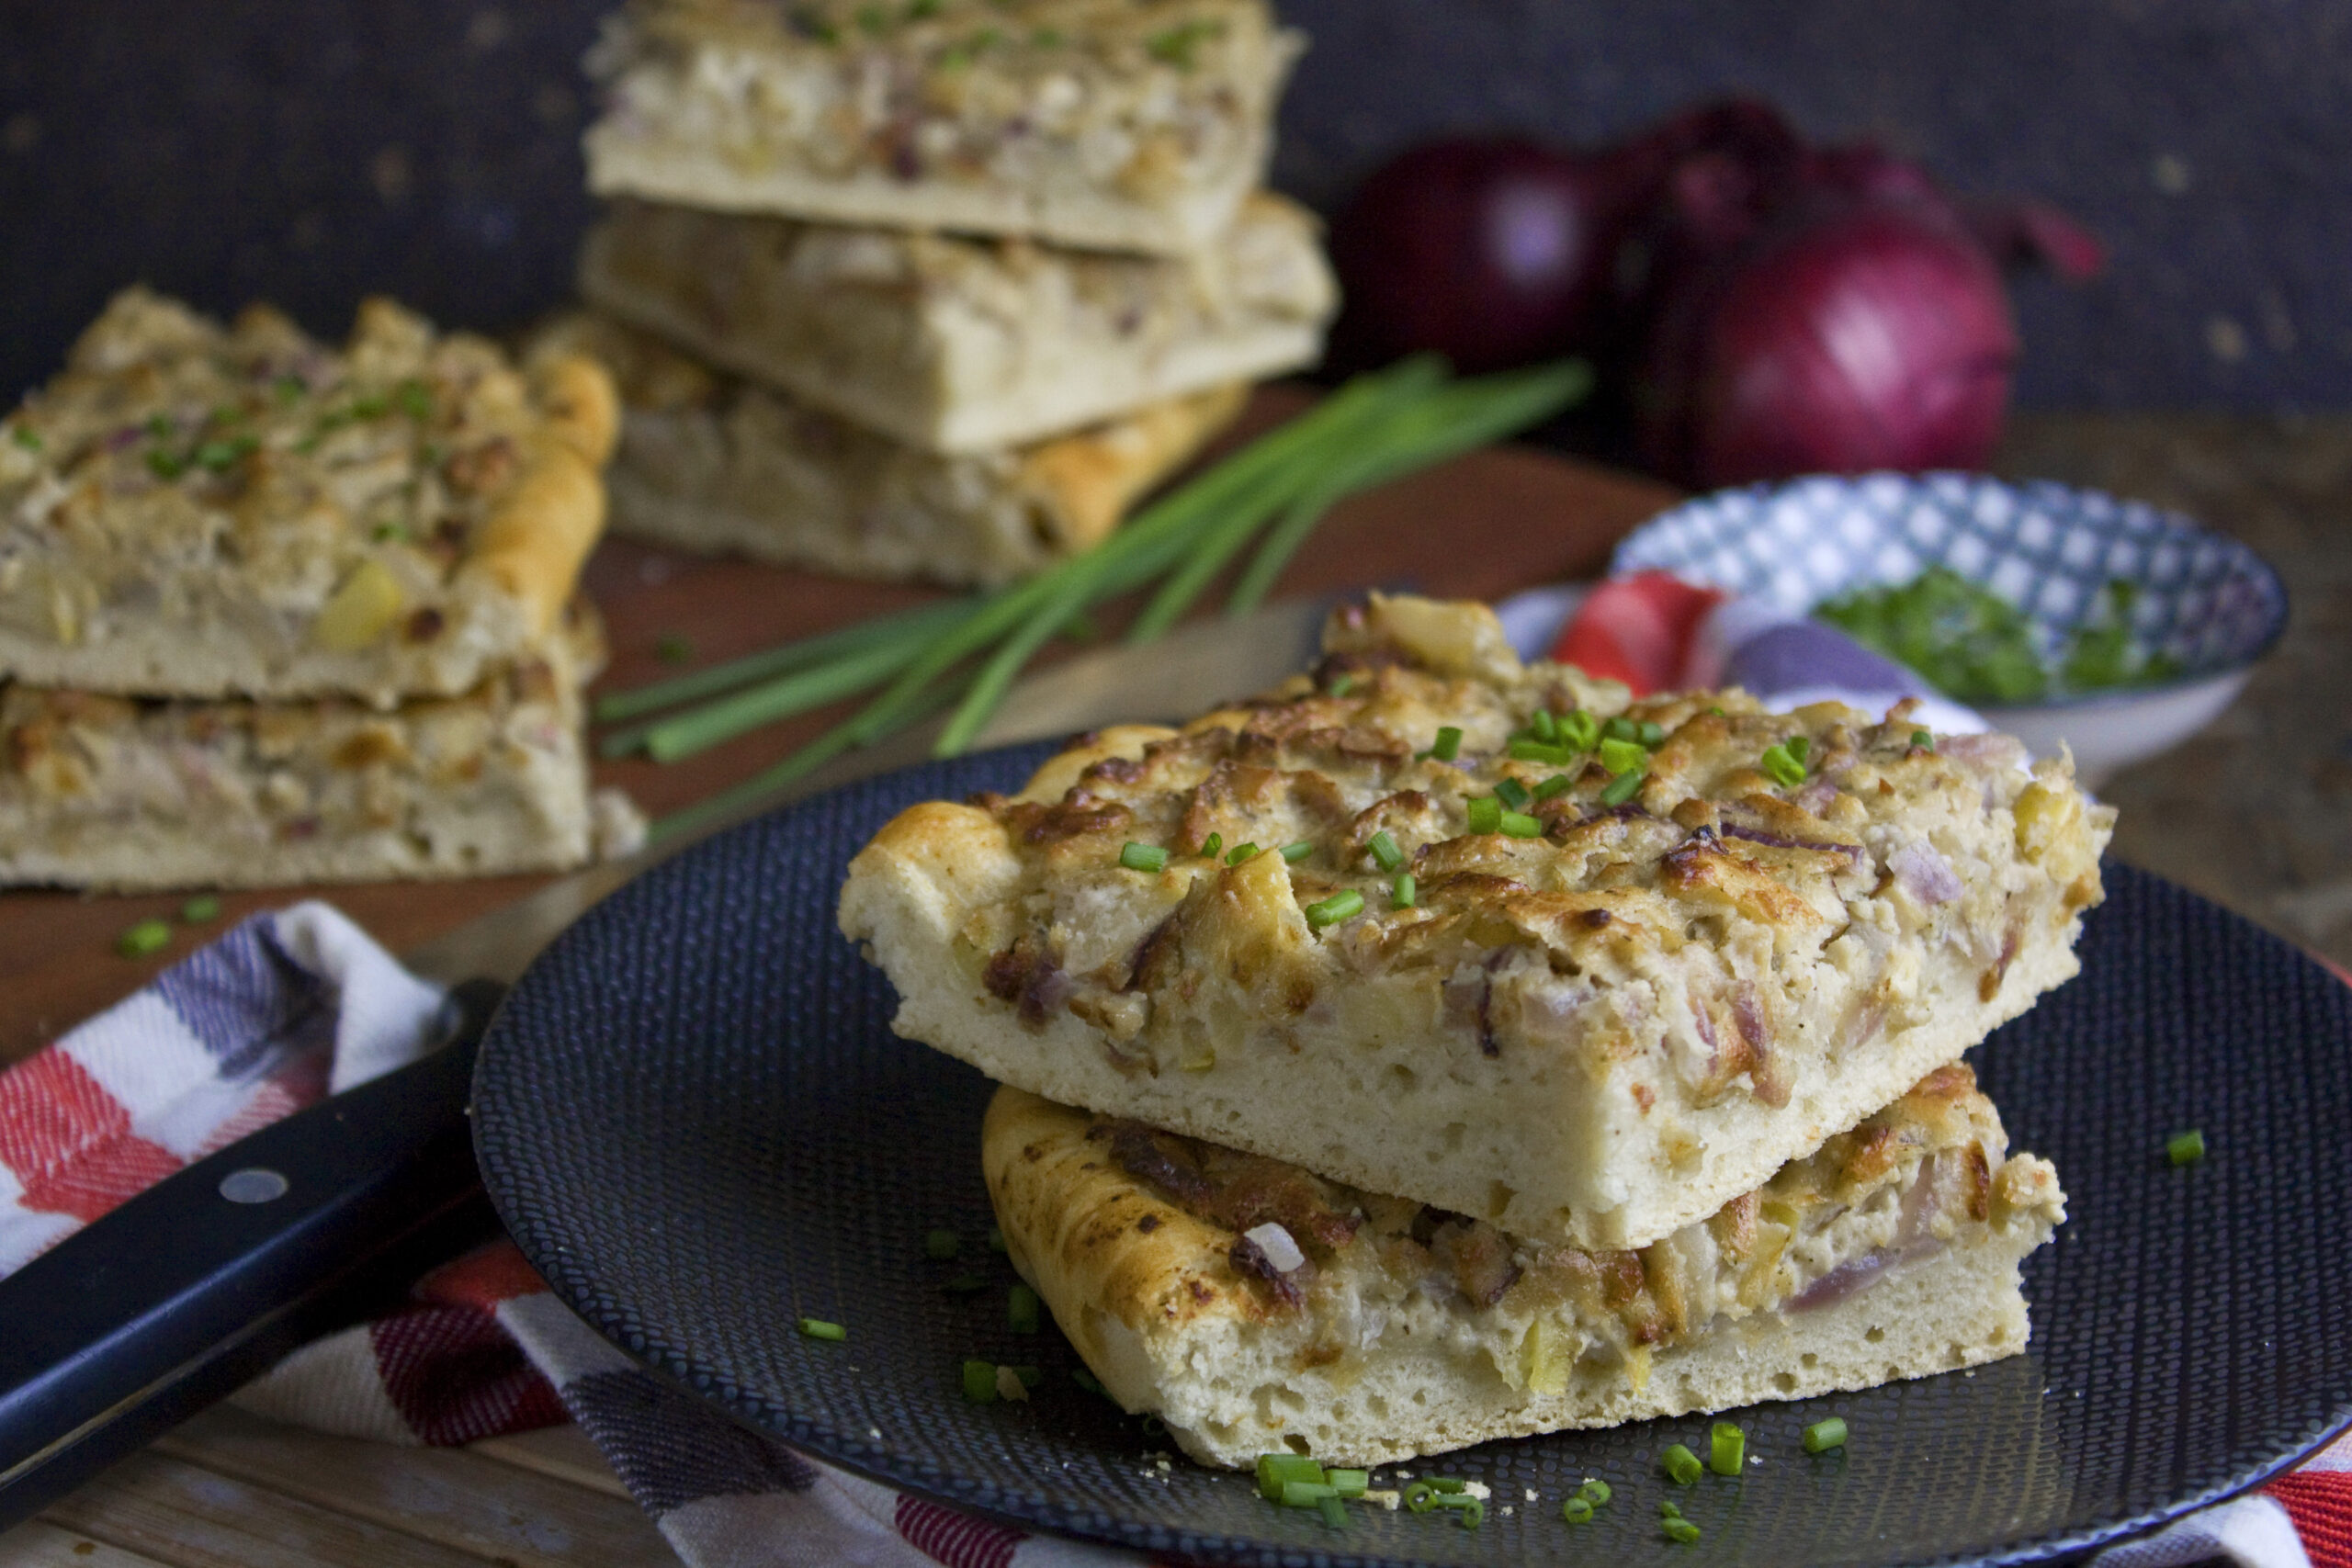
(231, 1491)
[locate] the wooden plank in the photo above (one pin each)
(188, 1516)
(37, 1544)
(564, 1452)
(464, 1501)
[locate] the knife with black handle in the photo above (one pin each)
(184, 1292)
(204, 1280)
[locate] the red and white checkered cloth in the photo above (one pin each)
(288, 1006)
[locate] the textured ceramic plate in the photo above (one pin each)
(696, 1120)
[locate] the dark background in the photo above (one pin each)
(311, 150)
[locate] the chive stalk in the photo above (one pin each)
(1383, 851)
(817, 1328)
(1726, 1448)
(1142, 857)
(1278, 1469)
(1682, 1466)
(1344, 905)
(1824, 1434)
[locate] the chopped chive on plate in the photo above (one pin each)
(697, 1122)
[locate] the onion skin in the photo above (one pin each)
(1492, 252)
(1875, 334)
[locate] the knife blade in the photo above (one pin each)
(173, 1300)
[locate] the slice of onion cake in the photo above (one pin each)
(1256, 1308)
(1630, 978)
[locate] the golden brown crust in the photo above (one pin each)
(1087, 481)
(534, 543)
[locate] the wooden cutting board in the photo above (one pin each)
(1482, 527)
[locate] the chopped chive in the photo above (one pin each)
(26, 436)
(1142, 857)
(1346, 904)
(1335, 1513)
(1622, 728)
(1823, 1436)
(2181, 1148)
(1667, 1508)
(1349, 1482)
(1622, 788)
(1580, 731)
(1088, 1382)
(996, 1240)
(1385, 852)
(1343, 685)
(966, 1285)
(1726, 1448)
(1212, 846)
(1800, 747)
(1511, 793)
(1277, 1471)
(1420, 1496)
(1298, 851)
(1783, 765)
(1027, 1377)
(288, 389)
(1558, 783)
(1651, 734)
(980, 1381)
(1241, 852)
(1518, 825)
(1486, 814)
(1577, 1511)
(219, 456)
(1923, 740)
(1022, 1310)
(414, 398)
(1305, 1494)
(1717, 712)
(202, 907)
(1524, 749)
(1448, 744)
(146, 938)
(1449, 1485)
(940, 1243)
(165, 466)
(1595, 1491)
(375, 405)
(817, 1328)
(672, 648)
(1622, 756)
(1681, 1530)
(1472, 1511)
(1682, 1466)
(161, 427)
(1546, 728)
(1403, 891)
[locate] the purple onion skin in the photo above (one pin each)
(1491, 253)
(1865, 332)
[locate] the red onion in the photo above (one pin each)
(1491, 253)
(1862, 334)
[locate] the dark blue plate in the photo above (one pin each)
(696, 1120)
